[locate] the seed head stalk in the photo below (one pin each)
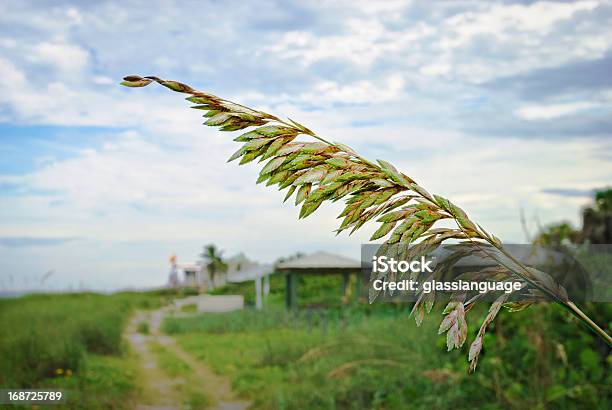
(315, 172)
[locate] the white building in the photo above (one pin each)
(239, 269)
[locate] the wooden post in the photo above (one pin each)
(291, 290)
(362, 287)
(258, 291)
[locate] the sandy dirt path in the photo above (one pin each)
(160, 391)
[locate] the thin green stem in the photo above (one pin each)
(565, 303)
(525, 276)
(592, 325)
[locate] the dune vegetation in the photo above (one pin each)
(72, 342)
(359, 356)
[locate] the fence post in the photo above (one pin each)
(258, 291)
(291, 290)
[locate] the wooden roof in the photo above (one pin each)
(320, 261)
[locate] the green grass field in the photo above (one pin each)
(73, 342)
(324, 356)
(362, 356)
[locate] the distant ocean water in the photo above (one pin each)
(13, 293)
(16, 293)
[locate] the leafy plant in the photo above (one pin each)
(319, 171)
(213, 262)
(143, 327)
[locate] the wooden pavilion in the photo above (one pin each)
(318, 263)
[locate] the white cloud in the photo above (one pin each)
(163, 185)
(436, 69)
(10, 76)
(68, 58)
(515, 39)
(502, 20)
(307, 48)
(8, 43)
(74, 15)
(357, 92)
(547, 112)
(103, 80)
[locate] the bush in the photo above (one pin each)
(143, 327)
(46, 334)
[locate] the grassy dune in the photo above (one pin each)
(361, 356)
(325, 356)
(71, 341)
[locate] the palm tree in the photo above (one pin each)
(213, 262)
(558, 234)
(597, 219)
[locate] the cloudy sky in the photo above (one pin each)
(499, 106)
